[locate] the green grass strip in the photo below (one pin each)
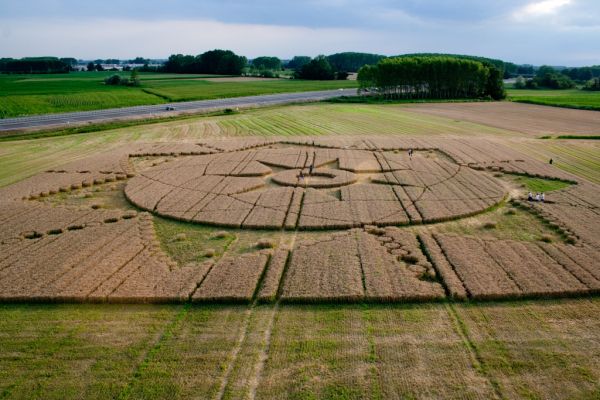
(164, 337)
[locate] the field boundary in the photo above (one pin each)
(476, 358)
(165, 335)
(558, 105)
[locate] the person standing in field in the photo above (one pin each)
(542, 197)
(530, 196)
(537, 197)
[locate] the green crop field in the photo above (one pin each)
(81, 91)
(570, 98)
(198, 89)
(506, 350)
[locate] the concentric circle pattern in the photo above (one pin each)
(263, 188)
(319, 178)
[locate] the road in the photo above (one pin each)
(153, 111)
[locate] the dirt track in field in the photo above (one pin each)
(525, 118)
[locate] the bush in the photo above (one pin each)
(592, 85)
(556, 81)
(219, 235)
(118, 80)
(180, 237)
(409, 259)
(265, 244)
(341, 75)
(375, 230)
(267, 73)
(550, 80)
(520, 83)
(489, 225)
(113, 80)
(531, 84)
(209, 253)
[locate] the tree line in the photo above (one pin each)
(322, 67)
(221, 62)
(547, 77)
(506, 68)
(352, 61)
(431, 77)
(37, 65)
(582, 74)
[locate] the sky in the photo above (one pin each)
(553, 32)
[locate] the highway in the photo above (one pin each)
(167, 109)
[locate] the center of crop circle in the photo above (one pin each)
(318, 178)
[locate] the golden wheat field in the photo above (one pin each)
(306, 251)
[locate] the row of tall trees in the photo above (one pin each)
(222, 62)
(507, 68)
(37, 65)
(438, 77)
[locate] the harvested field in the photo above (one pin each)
(508, 269)
(239, 189)
(359, 266)
(579, 157)
(419, 242)
(526, 118)
(255, 183)
(96, 259)
(233, 279)
(327, 270)
(390, 275)
(270, 284)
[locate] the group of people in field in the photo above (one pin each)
(312, 166)
(310, 171)
(538, 197)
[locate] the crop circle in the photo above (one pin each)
(320, 178)
(338, 188)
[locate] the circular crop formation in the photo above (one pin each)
(303, 187)
(320, 178)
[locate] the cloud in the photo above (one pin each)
(123, 38)
(556, 32)
(540, 9)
